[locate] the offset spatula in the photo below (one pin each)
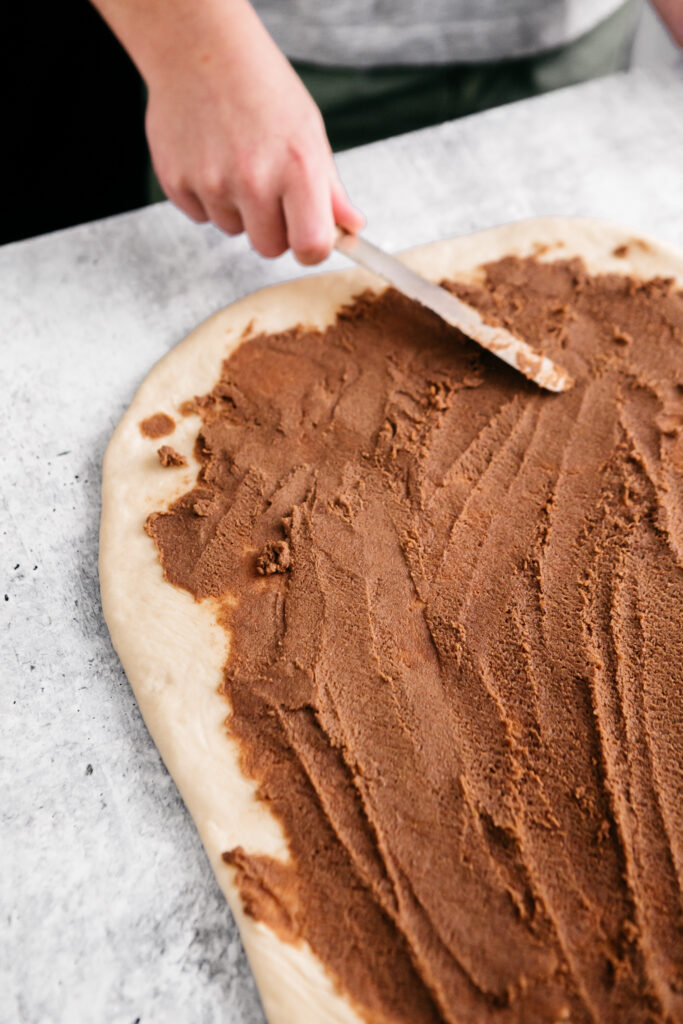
(497, 340)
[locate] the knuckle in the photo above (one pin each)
(302, 158)
(175, 185)
(214, 184)
(297, 155)
(252, 178)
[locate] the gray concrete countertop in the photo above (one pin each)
(109, 909)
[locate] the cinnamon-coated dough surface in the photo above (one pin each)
(171, 646)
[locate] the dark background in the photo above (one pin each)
(72, 120)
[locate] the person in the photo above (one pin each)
(237, 138)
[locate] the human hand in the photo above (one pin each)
(235, 137)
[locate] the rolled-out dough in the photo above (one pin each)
(172, 648)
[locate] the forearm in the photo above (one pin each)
(671, 13)
(159, 33)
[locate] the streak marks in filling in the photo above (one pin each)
(455, 606)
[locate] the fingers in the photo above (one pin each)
(226, 216)
(264, 223)
(246, 202)
(313, 205)
(302, 220)
(189, 203)
(223, 213)
(307, 205)
(300, 214)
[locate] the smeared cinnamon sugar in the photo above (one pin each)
(455, 606)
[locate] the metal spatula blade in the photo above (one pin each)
(454, 311)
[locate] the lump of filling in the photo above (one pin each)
(169, 457)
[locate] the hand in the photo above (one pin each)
(671, 13)
(235, 137)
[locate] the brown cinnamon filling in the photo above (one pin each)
(455, 605)
(157, 425)
(170, 458)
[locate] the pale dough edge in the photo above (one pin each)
(170, 646)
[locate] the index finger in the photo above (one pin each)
(307, 206)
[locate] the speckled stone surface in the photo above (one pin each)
(109, 910)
